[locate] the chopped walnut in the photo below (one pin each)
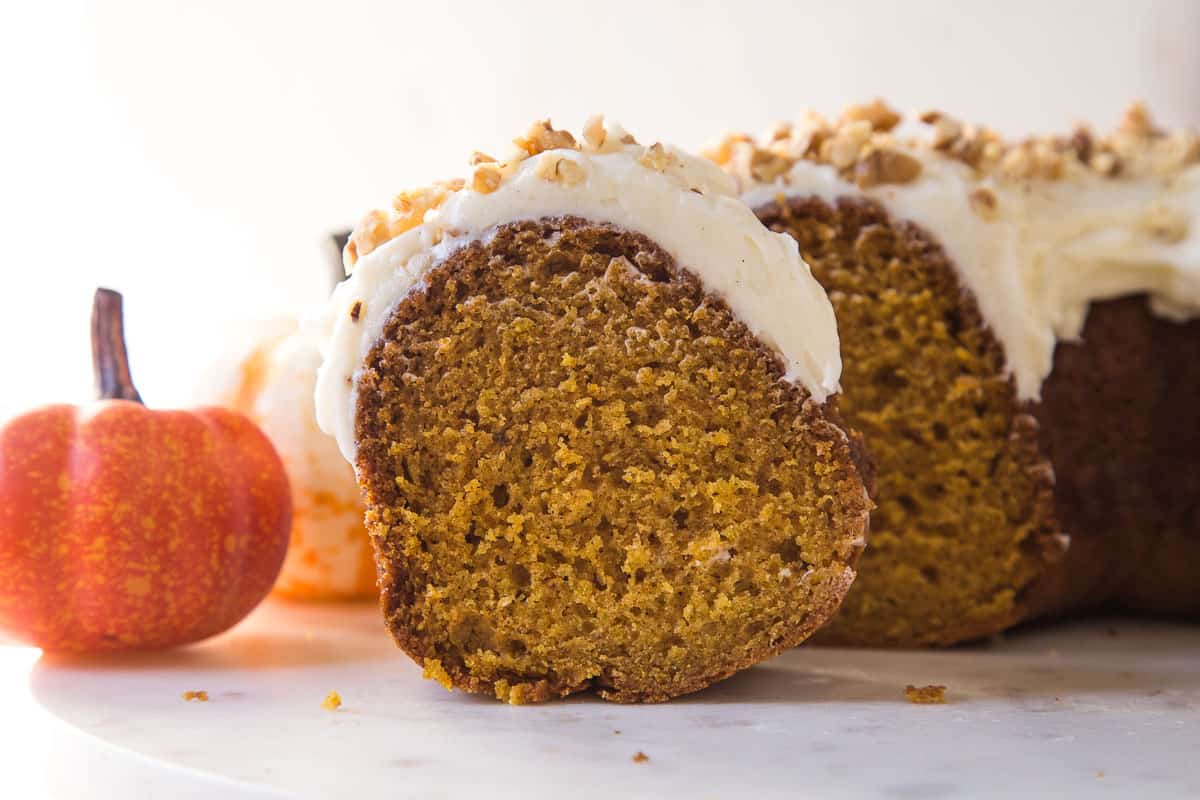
(969, 148)
(961, 141)
(640, 758)
(411, 206)
(876, 113)
(569, 172)
(541, 137)
(657, 158)
(945, 131)
(1017, 163)
(558, 169)
(1136, 122)
(803, 143)
(779, 131)
(886, 166)
(1048, 161)
(983, 202)
(1032, 160)
(594, 134)
(486, 179)
(1082, 143)
(722, 152)
(766, 166)
(1106, 164)
(843, 149)
(371, 232)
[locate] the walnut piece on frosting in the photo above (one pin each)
(542, 136)
(862, 147)
(766, 166)
(983, 202)
(559, 169)
(486, 178)
(886, 166)
(597, 139)
(1136, 122)
(876, 113)
(844, 149)
(657, 158)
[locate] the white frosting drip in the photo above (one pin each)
(1050, 248)
(691, 210)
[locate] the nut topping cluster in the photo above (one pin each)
(863, 147)
(488, 174)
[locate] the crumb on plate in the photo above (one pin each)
(925, 695)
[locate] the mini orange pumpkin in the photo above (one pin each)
(127, 528)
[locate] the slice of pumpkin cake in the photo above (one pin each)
(1018, 320)
(589, 400)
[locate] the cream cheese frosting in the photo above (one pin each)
(686, 205)
(1037, 230)
(1042, 250)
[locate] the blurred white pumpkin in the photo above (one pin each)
(271, 379)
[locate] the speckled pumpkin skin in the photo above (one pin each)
(125, 528)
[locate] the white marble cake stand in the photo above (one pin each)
(1091, 709)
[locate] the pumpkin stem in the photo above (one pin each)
(110, 362)
(338, 269)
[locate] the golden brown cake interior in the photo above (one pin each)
(964, 523)
(582, 471)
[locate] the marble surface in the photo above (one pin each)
(1087, 709)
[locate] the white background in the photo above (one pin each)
(195, 155)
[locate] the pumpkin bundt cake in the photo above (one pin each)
(1014, 319)
(588, 398)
